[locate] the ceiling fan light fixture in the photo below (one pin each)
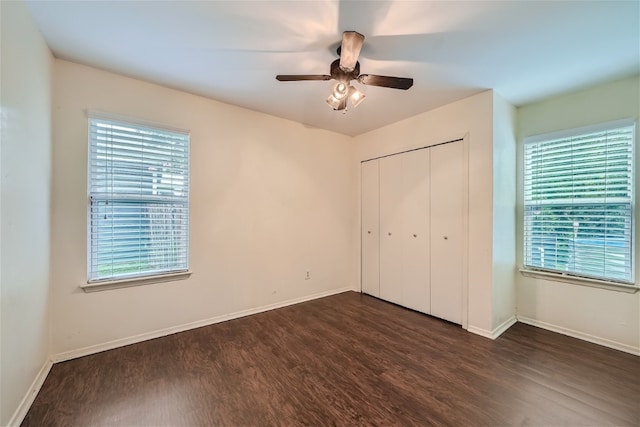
(355, 96)
(340, 90)
(335, 103)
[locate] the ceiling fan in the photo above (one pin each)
(345, 69)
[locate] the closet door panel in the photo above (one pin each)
(446, 219)
(369, 233)
(414, 207)
(391, 223)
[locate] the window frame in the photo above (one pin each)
(572, 277)
(100, 284)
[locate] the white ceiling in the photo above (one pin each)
(231, 50)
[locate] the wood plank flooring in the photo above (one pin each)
(344, 360)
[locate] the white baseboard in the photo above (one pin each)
(496, 332)
(502, 328)
(479, 331)
(581, 335)
(85, 351)
(32, 392)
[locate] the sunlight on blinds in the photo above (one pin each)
(138, 200)
(578, 204)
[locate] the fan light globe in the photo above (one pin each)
(340, 90)
(355, 96)
(333, 102)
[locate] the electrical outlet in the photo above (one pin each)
(308, 275)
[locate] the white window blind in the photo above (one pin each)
(138, 221)
(578, 204)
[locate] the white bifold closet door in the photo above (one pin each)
(404, 229)
(447, 228)
(369, 233)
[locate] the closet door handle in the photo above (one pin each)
(389, 233)
(369, 232)
(446, 238)
(415, 235)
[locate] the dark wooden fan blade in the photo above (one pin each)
(350, 49)
(386, 81)
(299, 77)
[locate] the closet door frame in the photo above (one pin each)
(464, 138)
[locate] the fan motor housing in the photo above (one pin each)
(339, 74)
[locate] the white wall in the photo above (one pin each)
(270, 199)
(599, 315)
(472, 115)
(504, 212)
(25, 171)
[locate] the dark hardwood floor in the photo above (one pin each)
(346, 360)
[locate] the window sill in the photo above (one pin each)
(135, 281)
(582, 281)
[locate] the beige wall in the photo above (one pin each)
(472, 116)
(25, 166)
(604, 316)
(504, 212)
(270, 199)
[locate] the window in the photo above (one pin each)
(138, 219)
(579, 203)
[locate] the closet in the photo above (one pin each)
(413, 234)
